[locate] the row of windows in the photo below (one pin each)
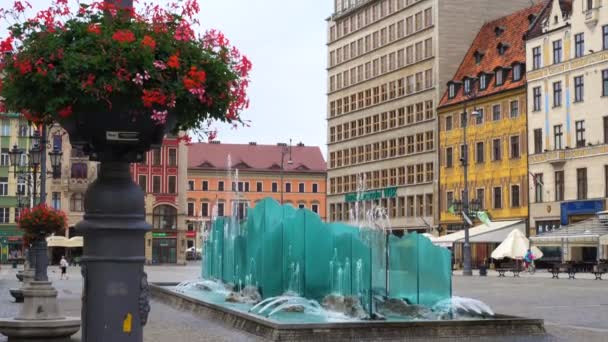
(240, 207)
(579, 49)
(496, 152)
(496, 199)
(382, 65)
(410, 206)
(419, 112)
(23, 128)
(579, 91)
(365, 17)
(244, 186)
(382, 37)
(416, 143)
(385, 92)
(496, 114)
(416, 174)
(501, 75)
(156, 154)
(142, 180)
(559, 181)
(5, 215)
(558, 136)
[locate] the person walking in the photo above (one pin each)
(64, 267)
(529, 260)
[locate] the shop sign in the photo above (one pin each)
(163, 235)
(371, 195)
(191, 234)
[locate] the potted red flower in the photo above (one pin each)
(119, 79)
(41, 221)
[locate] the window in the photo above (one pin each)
(205, 185)
(315, 208)
(287, 187)
(275, 187)
(580, 133)
(259, 187)
(156, 184)
(557, 137)
(589, 5)
(467, 86)
(559, 185)
(499, 77)
(79, 170)
(605, 180)
(497, 198)
(536, 61)
(515, 147)
(56, 201)
(514, 109)
(77, 202)
(315, 188)
(449, 157)
(24, 130)
(483, 82)
(557, 94)
(448, 123)
(481, 197)
(21, 186)
(538, 140)
(191, 185)
(538, 187)
(164, 217)
(4, 215)
(605, 130)
(220, 209)
(449, 198)
(190, 209)
(496, 150)
(172, 157)
(515, 196)
(172, 184)
(579, 45)
(536, 98)
(3, 186)
(496, 112)
(4, 157)
(143, 182)
(301, 205)
(451, 91)
(205, 209)
(517, 72)
(605, 37)
(479, 117)
(479, 153)
(557, 51)
(6, 128)
(301, 187)
(579, 89)
(220, 186)
(156, 156)
(581, 183)
(605, 82)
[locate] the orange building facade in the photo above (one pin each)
(231, 178)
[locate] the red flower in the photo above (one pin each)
(89, 82)
(65, 112)
(152, 97)
(195, 78)
(25, 67)
(149, 41)
(173, 62)
(108, 88)
(123, 36)
(94, 28)
(6, 45)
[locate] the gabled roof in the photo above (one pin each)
(537, 28)
(253, 157)
(511, 30)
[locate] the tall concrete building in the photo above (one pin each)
(388, 63)
(568, 131)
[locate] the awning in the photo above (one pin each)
(495, 232)
(62, 241)
(581, 234)
(604, 239)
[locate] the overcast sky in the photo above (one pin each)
(285, 40)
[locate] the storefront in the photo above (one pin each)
(164, 248)
(577, 211)
(11, 244)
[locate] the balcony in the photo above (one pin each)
(592, 16)
(556, 158)
(78, 184)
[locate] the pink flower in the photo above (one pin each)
(138, 79)
(159, 116)
(160, 65)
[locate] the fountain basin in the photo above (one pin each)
(295, 330)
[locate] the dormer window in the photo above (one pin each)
(499, 31)
(478, 57)
(499, 77)
(517, 71)
(483, 82)
(451, 90)
(502, 48)
(467, 86)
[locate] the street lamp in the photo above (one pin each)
(285, 150)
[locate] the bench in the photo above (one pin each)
(565, 268)
(599, 270)
(509, 267)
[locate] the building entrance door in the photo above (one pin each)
(164, 251)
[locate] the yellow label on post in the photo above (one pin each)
(127, 323)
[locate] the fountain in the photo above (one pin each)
(283, 271)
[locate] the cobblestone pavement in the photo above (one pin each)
(573, 310)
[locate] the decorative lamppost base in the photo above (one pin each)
(39, 317)
(27, 276)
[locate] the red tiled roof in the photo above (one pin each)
(515, 27)
(249, 157)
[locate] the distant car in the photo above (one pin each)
(193, 254)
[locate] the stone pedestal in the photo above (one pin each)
(39, 318)
(27, 277)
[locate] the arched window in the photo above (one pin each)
(77, 202)
(164, 217)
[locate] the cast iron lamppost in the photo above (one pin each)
(285, 150)
(465, 207)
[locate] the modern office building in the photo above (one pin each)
(216, 188)
(567, 122)
(388, 63)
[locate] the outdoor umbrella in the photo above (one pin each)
(515, 246)
(57, 241)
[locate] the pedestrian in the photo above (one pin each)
(529, 258)
(64, 267)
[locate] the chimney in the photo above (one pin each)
(252, 143)
(300, 144)
(281, 144)
(216, 142)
